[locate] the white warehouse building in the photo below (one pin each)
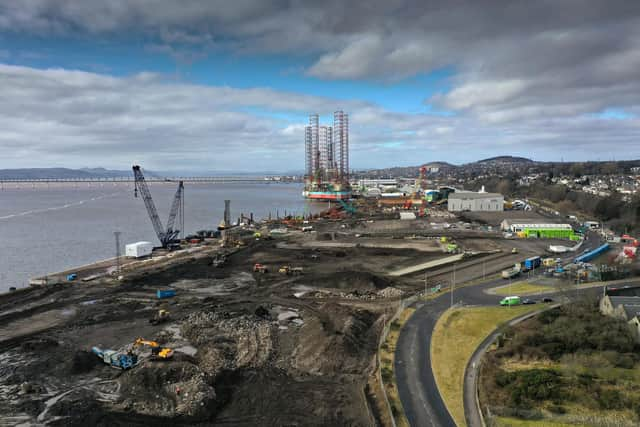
(475, 202)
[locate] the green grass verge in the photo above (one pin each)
(522, 288)
(456, 336)
(514, 422)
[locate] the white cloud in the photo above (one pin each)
(60, 117)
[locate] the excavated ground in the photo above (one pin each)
(250, 348)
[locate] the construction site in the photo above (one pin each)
(274, 322)
(271, 322)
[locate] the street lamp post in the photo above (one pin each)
(453, 283)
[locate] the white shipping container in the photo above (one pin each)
(138, 249)
(407, 215)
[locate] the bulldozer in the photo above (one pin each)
(157, 352)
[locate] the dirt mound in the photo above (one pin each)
(84, 361)
(38, 344)
(228, 342)
(168, 389)
(347, 280)
(78, 408)
(351, 337)
(271, 397)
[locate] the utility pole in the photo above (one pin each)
(182, 214)
(453, 283)
(116, 234)
(425, 284)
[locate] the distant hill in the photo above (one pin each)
(438, 164)
(102, 173)
(62, 173)
(506, 159)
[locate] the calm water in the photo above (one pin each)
(52, 228)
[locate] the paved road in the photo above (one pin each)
(421, 400)
(417, 387)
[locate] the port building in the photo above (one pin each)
(475, 202)
(538, 228)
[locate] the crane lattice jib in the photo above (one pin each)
(141, 184)
(171, 234)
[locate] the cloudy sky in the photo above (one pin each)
(228, 85)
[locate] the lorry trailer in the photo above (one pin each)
(531, 263)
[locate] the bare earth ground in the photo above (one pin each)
(250, 348)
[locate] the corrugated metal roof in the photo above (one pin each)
(624, 300)
(468, 196)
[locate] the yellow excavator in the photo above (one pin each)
(162, 353)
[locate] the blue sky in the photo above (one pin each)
(122, 57)
(224, 85)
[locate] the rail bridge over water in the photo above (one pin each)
(195, 179)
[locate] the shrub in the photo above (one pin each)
(619, 360)
(532, 385)
(610, 399)
(504, 378)
(557, 409)
(387, 374)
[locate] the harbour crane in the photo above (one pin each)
(167, 235)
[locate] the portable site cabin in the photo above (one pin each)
(138, 249)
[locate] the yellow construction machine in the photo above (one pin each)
(163, 353)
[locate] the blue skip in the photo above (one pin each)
(166, 293)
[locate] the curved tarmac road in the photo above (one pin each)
(421, 400)
(417, 387)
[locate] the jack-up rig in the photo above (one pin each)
(167, 236)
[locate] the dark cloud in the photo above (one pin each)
(525, 73)
(554, 53)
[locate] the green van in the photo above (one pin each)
(510, 301)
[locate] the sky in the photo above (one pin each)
(208, 85)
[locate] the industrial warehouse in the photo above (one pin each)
(475, 202)
(538, 228)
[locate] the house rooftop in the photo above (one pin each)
(624, 300)
(468, 196)
(631, 305)
(530, 221)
